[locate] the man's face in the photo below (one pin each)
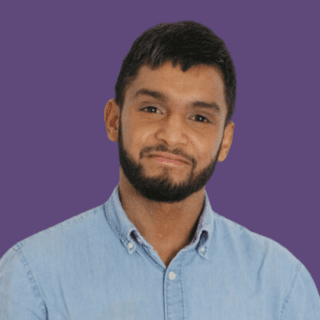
(170, 121)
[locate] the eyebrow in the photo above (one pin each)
(162, 97)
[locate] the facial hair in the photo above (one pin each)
(161, 188)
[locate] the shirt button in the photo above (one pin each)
(202, 249)
(172, 275)
(130, 245)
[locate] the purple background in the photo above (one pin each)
(58, 67)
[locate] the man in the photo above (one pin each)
(156, 249)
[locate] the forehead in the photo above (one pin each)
(198, 82)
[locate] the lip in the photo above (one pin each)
(169, 156)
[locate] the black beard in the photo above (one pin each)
(161, 189)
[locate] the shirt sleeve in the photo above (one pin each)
(303, 300)
(19, 294)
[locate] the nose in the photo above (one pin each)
(173, 130)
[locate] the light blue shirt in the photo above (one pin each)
(97, 266)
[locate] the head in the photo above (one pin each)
(181, 68)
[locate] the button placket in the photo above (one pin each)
(130, 245)
(172, 275)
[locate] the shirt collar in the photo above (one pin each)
(126, 230)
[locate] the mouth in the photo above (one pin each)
(167, 161)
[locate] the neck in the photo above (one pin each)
(167, 227)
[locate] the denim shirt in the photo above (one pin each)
(97, 266)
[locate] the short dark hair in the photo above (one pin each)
(187, 43)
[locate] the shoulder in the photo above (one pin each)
(256, 252)
(268, 266)
(49, 243)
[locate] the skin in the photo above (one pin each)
(165, 202)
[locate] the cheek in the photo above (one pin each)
(207, 153)
(204, 155)
(137, 139)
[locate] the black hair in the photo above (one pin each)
(186, 43)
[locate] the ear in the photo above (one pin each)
(227, 141)
(111, 119)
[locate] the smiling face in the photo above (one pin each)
(180, 113)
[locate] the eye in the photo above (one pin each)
(199, 115)
(154, 110)
(150, 107)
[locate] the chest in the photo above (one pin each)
(134, 287)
